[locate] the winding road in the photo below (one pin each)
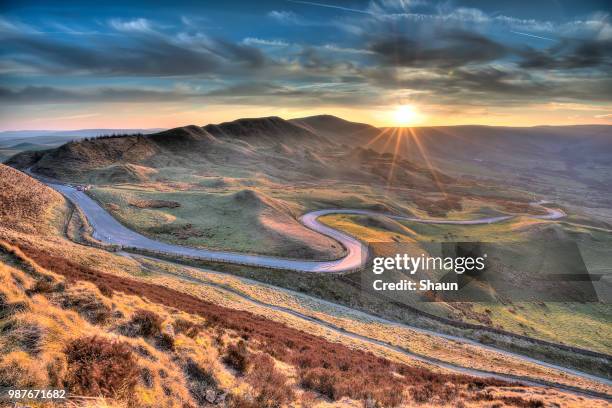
(110, 231)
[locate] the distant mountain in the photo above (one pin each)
(573, 161)
(262, 130)
(243, 139)
(303, 150)
(80, 133)
(337, 129)
(16, 141)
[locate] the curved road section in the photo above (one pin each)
(108, 230)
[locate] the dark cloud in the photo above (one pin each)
(253, 57)
(449, 49)
(570, 54)
(258, 93)
(47, 95)
(139, 53)
(488, 85)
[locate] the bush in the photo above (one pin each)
(236, 356)
(87, 303)
(200, 380)
(270, 385)
(105, 289)
(45, 286)
(186, 327)
(320, 380)
(165, 341)
(20, 370)
(101, 367)
(145, 323)
(422, 393)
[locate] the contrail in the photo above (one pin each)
(532, 35)
(332, 6)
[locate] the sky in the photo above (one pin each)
(150, 64)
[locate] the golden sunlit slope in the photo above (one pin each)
(66, 324)
(27, 205)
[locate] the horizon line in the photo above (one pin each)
(303, 117)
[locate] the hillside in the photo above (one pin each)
(27, 205)
(265, 130)
(244, 139)
(337, 129)
(306, 149)
(120, 333)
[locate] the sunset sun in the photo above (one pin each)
(405, 115)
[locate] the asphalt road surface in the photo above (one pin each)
(108, 230)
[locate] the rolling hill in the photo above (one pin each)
(119, 332)
(305, 149)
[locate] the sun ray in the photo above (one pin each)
(423, 152)
(398, 135)
(378, 136)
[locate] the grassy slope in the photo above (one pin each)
(583, 325)
(243, 220)
(45, 311)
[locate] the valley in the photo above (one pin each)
(234, 213)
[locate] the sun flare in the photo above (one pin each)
(405, 115)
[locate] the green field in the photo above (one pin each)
(574, 323)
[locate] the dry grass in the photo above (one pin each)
(330, 369)
(59, 329)
(44, 344)
(98, 366)
(26, 204)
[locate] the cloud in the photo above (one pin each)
(243, 93)
(135, 25)
(138, 51)
(286, 17)
(451, 49)
(494, 85)
(261, 41)
(570, 54)
(453, 56)
(54, 95)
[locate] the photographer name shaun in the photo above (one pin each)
(412, 265)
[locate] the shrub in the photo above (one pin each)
(320, 380)
(236, 356)
(238, 401)
(165, 341)
(523, 403)
(25, 335)
(57, 367)
(87, 303)
(18, 369)
(270, 385)
(145, 323)
(44, 286)
(101, 367)
(422, 393)
(200, 380)
(186, 327)
(105, 289)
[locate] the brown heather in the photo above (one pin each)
(101, 367)
(331, 369)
